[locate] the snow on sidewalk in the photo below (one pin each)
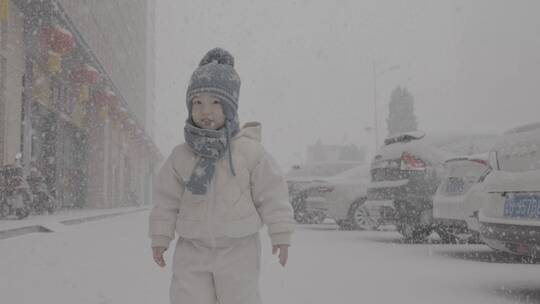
(109, 261)
(12, 227)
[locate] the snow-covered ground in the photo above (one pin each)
(64, 216)
(109, 261)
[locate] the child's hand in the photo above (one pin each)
(283, 253)
(158, 255)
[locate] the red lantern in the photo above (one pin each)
(110, 95)
(104, 96)
(87, 74)
(58, 39)
(99, 97)
(123, 116)
(118, 108)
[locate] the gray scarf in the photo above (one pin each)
(210, 145)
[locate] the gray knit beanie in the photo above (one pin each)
(216, 75)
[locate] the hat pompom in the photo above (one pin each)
(219, 56)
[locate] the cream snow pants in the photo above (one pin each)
(225, 271)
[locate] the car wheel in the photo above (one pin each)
(301, 217)
(359, 217)
(414, 232)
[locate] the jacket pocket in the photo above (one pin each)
(241, 209)
(193, 207)
(232, 191)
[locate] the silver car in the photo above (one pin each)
(307, 187)
(510, 216)
(345, 195)
(452, 204)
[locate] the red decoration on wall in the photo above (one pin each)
(86, 74)
(58, 39)
(110, 95)
(104, 96)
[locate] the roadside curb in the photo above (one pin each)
(58, 225)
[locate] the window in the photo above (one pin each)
(520, 162)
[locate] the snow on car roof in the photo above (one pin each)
(482, 157)
(464, 144)
(501, 181)
(442, 147)
(418, 147)
(513, 141)
(404, 137)
(519, 151)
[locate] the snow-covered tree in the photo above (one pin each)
(401, 117)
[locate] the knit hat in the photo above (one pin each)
(216, 75)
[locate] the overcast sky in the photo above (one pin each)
(307, 66)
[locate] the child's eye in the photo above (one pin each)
(197, 102)
(216, 102)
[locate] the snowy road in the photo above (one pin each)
(108, 261)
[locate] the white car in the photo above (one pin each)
(454, 205)
(304, 192)
(510, 217)
(345, 195)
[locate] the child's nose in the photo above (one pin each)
(206, 109)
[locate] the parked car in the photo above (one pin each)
(308, 205)
(453, 204)
(510, 217)
(344, 196)
(405, 174)
(305, 195)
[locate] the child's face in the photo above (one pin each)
(207, 112)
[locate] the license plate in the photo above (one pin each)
(522, 206)
(455, 185)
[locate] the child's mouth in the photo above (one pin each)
(207, 122)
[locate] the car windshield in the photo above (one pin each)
(462, 175)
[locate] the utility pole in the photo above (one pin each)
(376, 116)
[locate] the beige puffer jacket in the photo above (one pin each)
(233, 206)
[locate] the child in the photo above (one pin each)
(216, 190)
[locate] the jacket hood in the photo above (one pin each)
(251, 130)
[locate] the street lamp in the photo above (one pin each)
(375, 75)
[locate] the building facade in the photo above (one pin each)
(77, 94)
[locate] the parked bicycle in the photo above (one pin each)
(20, 195)
(15, 191)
